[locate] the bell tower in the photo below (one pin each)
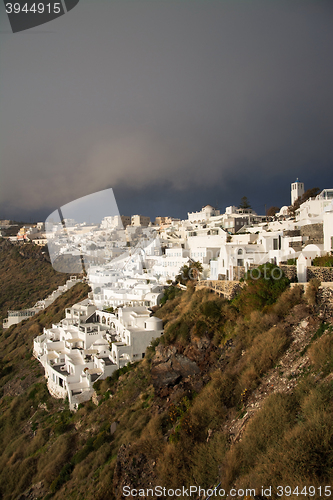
(297, 189)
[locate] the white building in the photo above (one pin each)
(328, 228)
(297, 190)
(205, 213)
(169, 265)
(112, 222)
(312, 210)
(116, 222)
(140, 220)
(139, 290)
(135, 329)
(252, 250)
(90, 344)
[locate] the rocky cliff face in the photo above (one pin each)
(174, 370)
(178, 371)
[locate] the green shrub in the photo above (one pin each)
(211, 309)
(169, 294)
(63, 477)
(84, 451)
(263, 287)
(324, 261)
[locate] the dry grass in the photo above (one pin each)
(192, 447)
(321, 351)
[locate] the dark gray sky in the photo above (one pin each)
(172, 103)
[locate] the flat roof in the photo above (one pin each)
(57, 368)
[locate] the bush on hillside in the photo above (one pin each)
(323, 261)
(169, 294)
(264, 285)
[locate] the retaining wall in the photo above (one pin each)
(227, 289)
(321, 273)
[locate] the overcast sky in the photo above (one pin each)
(172, 103)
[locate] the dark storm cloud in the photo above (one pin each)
(169, 103)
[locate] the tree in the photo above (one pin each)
(195, 270)
(190, 271)
(272, 211)
(244, 203)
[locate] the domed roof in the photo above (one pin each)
(153, 319)
(283, 210)
(101, 341)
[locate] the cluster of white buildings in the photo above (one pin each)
(241, 238)
(90, 344)
(128, 268)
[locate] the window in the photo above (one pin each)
(275, 244)
(240, 252)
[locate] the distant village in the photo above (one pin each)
(128, 261)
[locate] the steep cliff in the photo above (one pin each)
(235, 392)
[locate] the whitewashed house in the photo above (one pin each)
(312, 210)
(204, 214)
(135, 329)
(328, 228)
(251, 250)
(90, 344)
(169, 265)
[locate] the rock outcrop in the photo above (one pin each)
(170, 367)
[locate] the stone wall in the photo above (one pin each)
(314, 232)
(321, 273)
(289, 271)
(325, 297)
(55, 390)
(240, 271)
(324, 274)
(292, 232)
(296, 245)
(227, 289)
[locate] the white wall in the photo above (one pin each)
(328, 229)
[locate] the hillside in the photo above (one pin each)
(234, 392)
(26, 276)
